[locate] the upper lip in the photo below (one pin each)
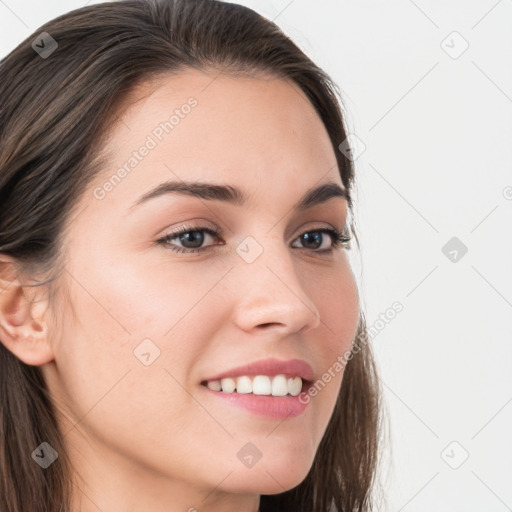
(269, 367)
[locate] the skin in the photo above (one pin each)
(150, 437)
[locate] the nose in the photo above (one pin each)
(271, 296)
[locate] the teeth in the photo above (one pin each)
(258, 385)
(214, 384)
(294, 386)
(261, 385)
(244, 385)
(280, 385)
(228, 385)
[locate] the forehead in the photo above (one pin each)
(250, 131)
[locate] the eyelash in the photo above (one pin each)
(339, 239)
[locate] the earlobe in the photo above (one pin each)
(23, 330)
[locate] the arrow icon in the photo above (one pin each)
(454, 249)
(40, 45)
(146, 352)
(44, 455)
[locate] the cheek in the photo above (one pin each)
(114, 395)
(133, 325)
(338, 305)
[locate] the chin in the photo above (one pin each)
(269, 476)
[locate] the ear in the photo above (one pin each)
(23, 329)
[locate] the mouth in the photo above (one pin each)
(281, 385)
(271, 388)
(279, 406)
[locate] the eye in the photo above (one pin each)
(194, 242)
(193, 238)
(317, 238)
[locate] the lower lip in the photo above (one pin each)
(278, 407)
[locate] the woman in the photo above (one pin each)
(180, 325)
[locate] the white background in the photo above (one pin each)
(436, 129)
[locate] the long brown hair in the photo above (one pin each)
(55, 112)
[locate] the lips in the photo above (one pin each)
(270, 367)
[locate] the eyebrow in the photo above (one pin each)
(234, 195)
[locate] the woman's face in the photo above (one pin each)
(143, 327)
